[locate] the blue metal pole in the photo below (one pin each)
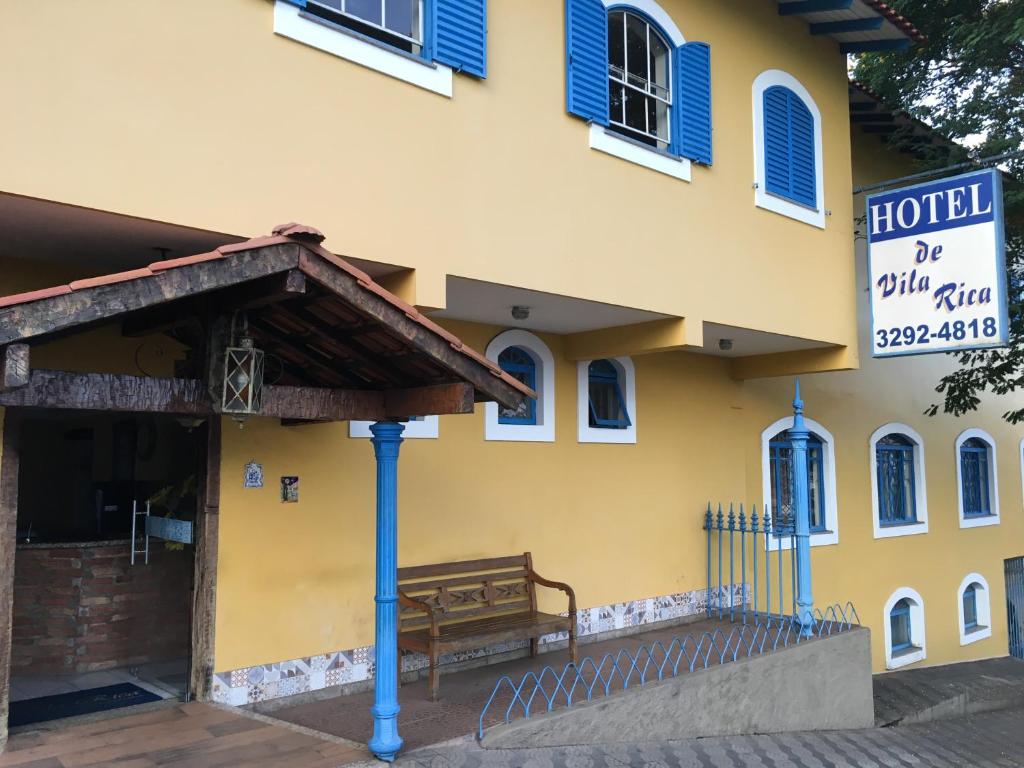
(719, 520)
(743, 564)
(798, 439)
(753, 526)
(707, 526)
(385, 743)
(767, 562)
(732, 560)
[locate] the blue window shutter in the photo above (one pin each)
(789, 139)
(692, 135)
(586, 50)
(459, 34)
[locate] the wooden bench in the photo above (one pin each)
(474, 603)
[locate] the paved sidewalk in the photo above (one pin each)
(994, 739)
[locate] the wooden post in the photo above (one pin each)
(14, 366)
(204, 596)
(8, 544)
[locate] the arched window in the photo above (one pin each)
(788, 172)
(977, 488)
(637, 82)
(607, 405)
(639, 79)
(789, 147)
(518, 363)
(894, 457)
(898, 490)
(527, 357)
(975, 611)
(899, 626)
(904, 628)
(783, 490)
(606, 398)
(975, 478)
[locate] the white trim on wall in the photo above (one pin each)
(427, 427)
(544, 430)
(289, 22)
(762, 198)
(589, 434)
(606, 141)
(657, 14)
(917, 629)
(983, 608)
(831, 534)
(920, 488)
(993, 480)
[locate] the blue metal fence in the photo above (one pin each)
(549, 689)
(761, 552)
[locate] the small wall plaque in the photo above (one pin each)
(289, 489)
(253, 475)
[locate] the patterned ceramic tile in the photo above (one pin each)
(241, 686)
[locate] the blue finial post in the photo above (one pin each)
(798, 440)
(385, 743)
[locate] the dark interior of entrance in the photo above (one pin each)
(93, 630)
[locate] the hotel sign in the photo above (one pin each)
(936, 266)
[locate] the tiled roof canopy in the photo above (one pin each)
(326, 322)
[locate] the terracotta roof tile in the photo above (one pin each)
(899, 21)
(116, 277)
(184, 261)
(42, 293)
(309, 238)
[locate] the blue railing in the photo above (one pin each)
(766, 564)
(550, 689)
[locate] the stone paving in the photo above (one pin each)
(978, 741)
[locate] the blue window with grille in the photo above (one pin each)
(789, 147)
(970, 608)
(974, 478)
(607, 405)
(518, 363)
(894, 457)
(780, 464)
(624, 72)
(451, 32)
(899, 626)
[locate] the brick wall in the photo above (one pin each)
(82, 608)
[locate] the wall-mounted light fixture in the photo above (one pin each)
(243, 379)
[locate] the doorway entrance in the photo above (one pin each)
(1014, 569)
(102, 617)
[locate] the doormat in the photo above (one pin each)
(86, 702)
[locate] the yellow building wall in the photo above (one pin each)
(200, 115)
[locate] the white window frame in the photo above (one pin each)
(983, 608)
(920, 488)
(290, 22)
(427, 427)
(589, 434)
(993, 480)
(544, 430)
(831, 534)
(762, 197)
(611, 143)
(919, 650)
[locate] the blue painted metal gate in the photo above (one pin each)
(1014, 569)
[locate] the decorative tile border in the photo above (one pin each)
(270, 681)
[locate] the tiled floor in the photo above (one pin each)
(165, 679)
(174, 735)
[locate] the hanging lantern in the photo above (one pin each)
(243, 380)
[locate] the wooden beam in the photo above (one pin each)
(813, 6)
(411, 332)
(8, 545)
(106, 301)
(110, 392)
(866, 46)
(204, 595)
(189, 397)
(429, 401)
(638, 339)
(14, 367)
(847, 25)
